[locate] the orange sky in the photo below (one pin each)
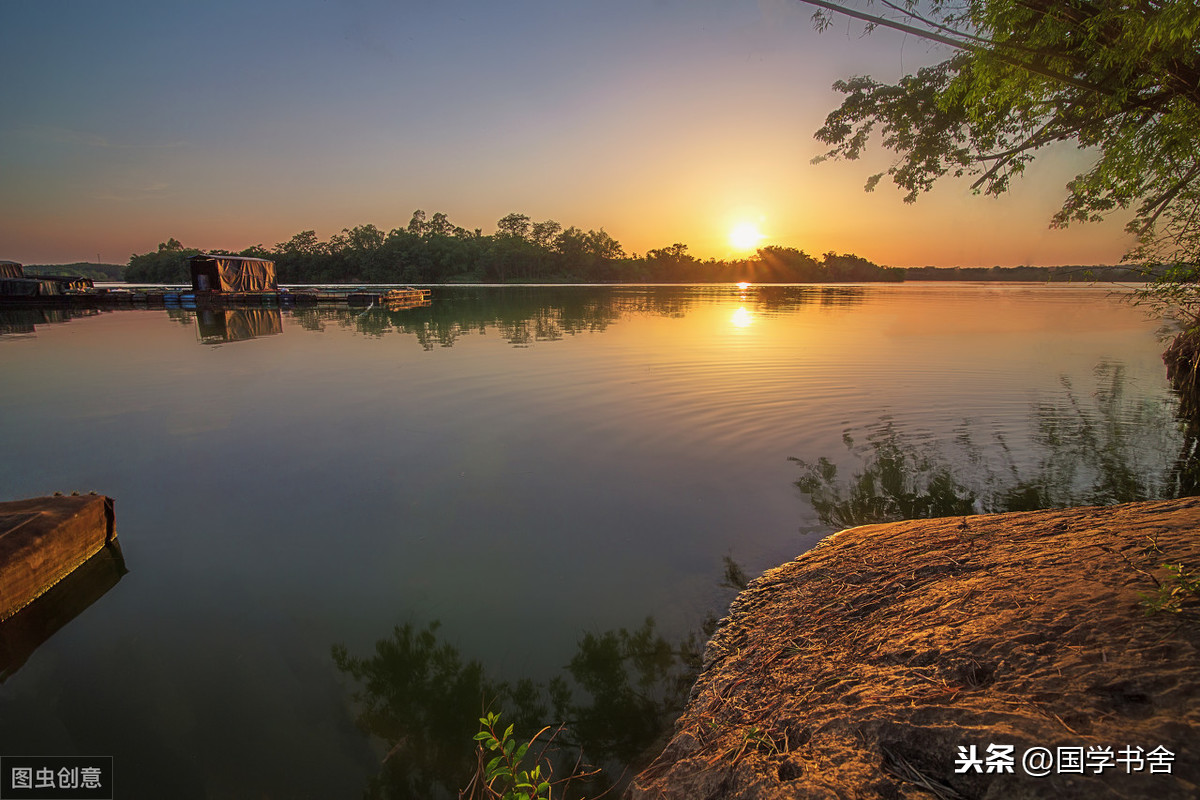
(661, 123)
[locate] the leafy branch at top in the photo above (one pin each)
(1121, 80)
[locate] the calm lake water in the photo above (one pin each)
(301, 496)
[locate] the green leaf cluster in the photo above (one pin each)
(1121, 80)
(504, 775)
(1096, 445)
(1180, 585)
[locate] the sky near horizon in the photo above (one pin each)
(229, 124)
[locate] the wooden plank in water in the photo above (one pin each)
(44, 539)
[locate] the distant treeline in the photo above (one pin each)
(1055, 274)
(85, 269)
(432, 250)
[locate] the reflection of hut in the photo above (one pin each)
(217, 273)
(23, 320)
(19, 321)
(236, 325)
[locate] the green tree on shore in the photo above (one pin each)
(1121, 79)
(168, 264)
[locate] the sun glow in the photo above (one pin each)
(742, 318)
(745, 236)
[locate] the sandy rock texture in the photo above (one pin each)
(860, 669)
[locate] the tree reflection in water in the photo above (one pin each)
(622, 690)
(621, 693)
(525, 315)
(418, 695)
(1110, 448)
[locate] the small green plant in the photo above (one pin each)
(1179, 585)
(503, 777)
(755, 738)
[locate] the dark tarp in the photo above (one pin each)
(28, 287)
(232, 274)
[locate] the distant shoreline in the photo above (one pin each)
(1059, 274)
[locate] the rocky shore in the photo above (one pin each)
(1044, 654)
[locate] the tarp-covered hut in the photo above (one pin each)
(215, 273)
(16, 285)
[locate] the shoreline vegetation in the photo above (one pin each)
(929, 641)
(432, 250)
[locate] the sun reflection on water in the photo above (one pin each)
(742, 318)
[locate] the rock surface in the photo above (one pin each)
(860, 669)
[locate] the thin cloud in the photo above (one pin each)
(70, 136)
(133, 193)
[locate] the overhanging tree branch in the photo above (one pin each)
(1120, 79)
(1155, 207)
(1035, 141)
(1037, 69)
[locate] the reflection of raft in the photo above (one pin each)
(44, 539)
(402, 305)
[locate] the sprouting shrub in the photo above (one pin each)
(1179, 585)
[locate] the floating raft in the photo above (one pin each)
(44, 539)
(388, 297)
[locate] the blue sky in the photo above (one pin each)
(229, 124)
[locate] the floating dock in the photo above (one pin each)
(186, 298)
(44, 539)
(219, 281)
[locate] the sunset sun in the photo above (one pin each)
(745, 236)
